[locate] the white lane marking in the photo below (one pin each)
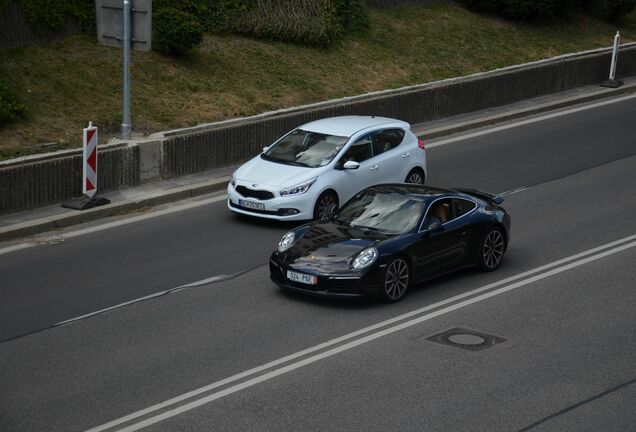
(148, 297)
(203, 281)
(17, 247)
(525, 122)
(119, 223)
(68, 321)
(513, 191)
(146, 216)
(264, 367)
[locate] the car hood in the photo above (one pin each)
(329, 247)
(263, 172)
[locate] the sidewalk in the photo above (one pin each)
(16, 225)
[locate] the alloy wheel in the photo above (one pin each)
(326, 206)
(396, 280)
(415, 177)
(493, 250)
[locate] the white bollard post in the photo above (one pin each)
(89, 166)
(612, 81)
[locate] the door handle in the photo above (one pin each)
(373, 168)
(405, 155)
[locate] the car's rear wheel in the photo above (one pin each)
(415, 176)
(326, 205)
(492, 250)
(396, 280)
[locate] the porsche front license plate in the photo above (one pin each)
(252, 205)
(302, 278)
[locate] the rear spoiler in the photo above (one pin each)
(492, 198)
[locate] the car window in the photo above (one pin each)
(359, 150)
(440, 211)
(386, 140)
(463, 206)
(391, 213)
(303, 148)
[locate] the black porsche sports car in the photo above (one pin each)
(389, 237)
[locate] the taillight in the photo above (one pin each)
(420, 143)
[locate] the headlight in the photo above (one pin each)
(286, 242)
(365, 258)
(298, 189)
(233, 179)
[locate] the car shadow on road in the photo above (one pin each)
(256, 222)
(352, 303)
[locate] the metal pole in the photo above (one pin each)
(126, 125)
(617, 42)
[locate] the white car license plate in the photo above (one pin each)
(302, 278)
(252, 205)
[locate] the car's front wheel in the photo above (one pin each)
(326, 205)
(396, 280)
(492, 250)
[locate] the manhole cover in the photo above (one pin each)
(466, 339)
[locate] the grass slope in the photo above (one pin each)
(70, 82)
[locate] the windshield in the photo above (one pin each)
(389, 212)
(308, 149)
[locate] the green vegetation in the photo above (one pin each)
(53, 15)
(311, 22)
(11, 110)
(179, 25)
(524, 9)
(175, 31)
(68, 83)
(610, 10)
(528, 10)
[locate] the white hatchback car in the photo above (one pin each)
(318, 166)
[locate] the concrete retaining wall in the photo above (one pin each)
(209, 146)
(48, 179)
(28, 185)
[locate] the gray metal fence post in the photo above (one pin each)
(126, 125)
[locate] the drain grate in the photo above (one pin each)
(466, 339)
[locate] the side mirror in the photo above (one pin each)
(265, 149)
(351, 165)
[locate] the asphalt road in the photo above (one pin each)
(567, 362)
(47, 285)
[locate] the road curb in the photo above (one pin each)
(38, 226)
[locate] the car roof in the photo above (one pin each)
(422, 192)
(349, 125)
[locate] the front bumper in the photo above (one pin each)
(275, 208)
(341, 285)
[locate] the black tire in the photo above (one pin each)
(415, 176)
(396, 280)
(326, 205)
(491, 250)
